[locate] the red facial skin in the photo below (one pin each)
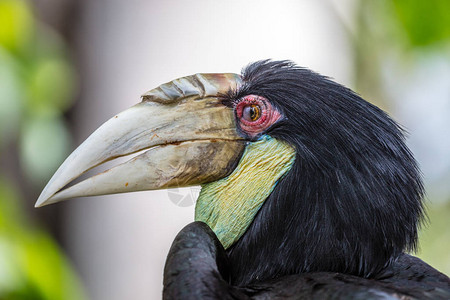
(267, 117)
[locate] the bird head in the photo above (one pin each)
(298, 173)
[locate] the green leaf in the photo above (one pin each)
(424, 22)
(50, 85)
(32, 265)
(44, 144)
(11, 97)
(16, 25)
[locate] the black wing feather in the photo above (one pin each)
(197, 268)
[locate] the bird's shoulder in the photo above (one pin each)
(197, 267)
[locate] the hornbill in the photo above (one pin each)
(308, 191)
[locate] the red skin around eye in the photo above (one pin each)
(269, 115)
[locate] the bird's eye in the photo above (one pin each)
(251, 112)
(255, 114)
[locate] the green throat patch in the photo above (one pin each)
(230, 204)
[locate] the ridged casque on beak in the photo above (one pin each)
(190, 135)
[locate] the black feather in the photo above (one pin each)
(197, 268)
(351, 203)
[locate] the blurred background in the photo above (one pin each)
(66, 66)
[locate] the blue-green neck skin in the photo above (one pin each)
(230, 204)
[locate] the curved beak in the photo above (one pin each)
(188, 137)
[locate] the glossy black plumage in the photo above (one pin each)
(197, 268)
(337, 225)
(351, 202)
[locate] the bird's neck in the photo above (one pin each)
(229, 205)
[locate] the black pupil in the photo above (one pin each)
(251, 112)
